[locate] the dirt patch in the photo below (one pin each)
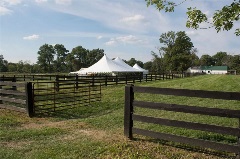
(15, 145)
(69, 124)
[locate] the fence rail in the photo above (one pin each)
(61, 95)
(40, 97)
(130, 117)
(16, 96)
(95, 79)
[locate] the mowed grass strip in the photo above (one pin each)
(96, 131)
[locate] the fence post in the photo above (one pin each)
(128, 110)
(29, 99)
(1, 102)
(76, 79)
(14, 80)
(116, 79)
(57, 83)
(106, 79)
(126, 79)
(2, 78)
(93, 80)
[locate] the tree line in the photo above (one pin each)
(57, 59)
(177, 53)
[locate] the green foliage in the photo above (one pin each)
(133, 61)
(46, 57)
(206, 60)
(177, 54)
(223, 19)
(219, 58)
(168, 6)
(3, 64)
(195, 17)
(60, 62)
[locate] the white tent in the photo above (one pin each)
(122, 63)
(105, 65)
(136, 66)
(77, 72)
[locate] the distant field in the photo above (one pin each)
(96, 131)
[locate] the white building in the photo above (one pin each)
(209, 69)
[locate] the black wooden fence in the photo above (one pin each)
(105, 80)
(130, 117)
(16, 96)
(61, 95)
(44, 97)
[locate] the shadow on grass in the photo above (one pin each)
(77, 112)
(189, 148)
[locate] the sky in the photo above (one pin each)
(123, 28)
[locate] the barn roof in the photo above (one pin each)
(225, 68)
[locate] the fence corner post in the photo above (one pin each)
(128, 110)
(29, 99)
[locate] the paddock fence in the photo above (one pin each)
(212, 136)
(104, 80)
(58, 96)
(16, 96)
(40, 97)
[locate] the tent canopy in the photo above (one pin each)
(136, 66)
(119, 61)
(106, 65)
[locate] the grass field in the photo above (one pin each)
(96, 131)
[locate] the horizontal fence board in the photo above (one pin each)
(12, 84)
(189, 93)
(188, 125)
(12, 92)
(13, 100)
(189, 109)
(10, 107)
(186, 140)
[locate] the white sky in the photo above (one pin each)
(123, 28)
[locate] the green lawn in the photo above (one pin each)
(96, 131)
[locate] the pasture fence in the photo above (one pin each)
(16, 96)
(39, 97)
(105, 80)
(131, 118)
(61, 95)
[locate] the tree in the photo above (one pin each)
(177, 51)
(194, 57)
(133, 61)
(158, 65)
(234, 62)
(60, 62)
(206, 60)
(46, 57)
(94, 56)
(12, 67)
(223, 19)
(219, 58)
(148, 66)
(79, 57)
(3, 64)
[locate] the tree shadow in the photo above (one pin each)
(187, 147)
(75, 112)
